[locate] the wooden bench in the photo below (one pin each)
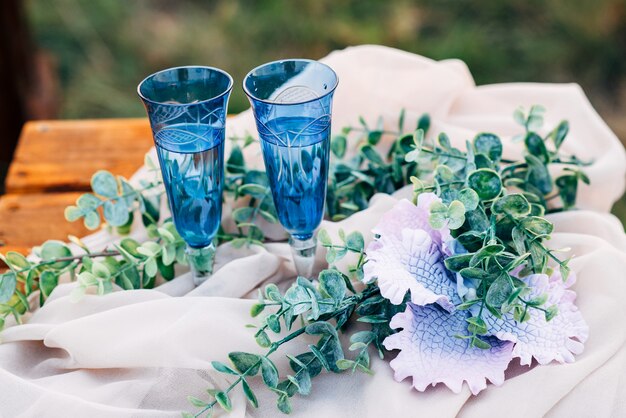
(52, 166)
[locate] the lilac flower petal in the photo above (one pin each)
(411, 262)
(430, 353)
(406, 215)
(558, 339)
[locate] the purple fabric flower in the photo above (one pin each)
(430, 352)
(408, 256)
(412, 262)
(558, 339)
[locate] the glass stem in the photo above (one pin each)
(201, 262)
(303, 252)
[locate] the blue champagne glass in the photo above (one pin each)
(292, 101)
(187, 108)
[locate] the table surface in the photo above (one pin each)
(52, 166)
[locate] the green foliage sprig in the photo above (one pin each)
(129, 264)
(322, 310)
(353, 181)
(494, 208)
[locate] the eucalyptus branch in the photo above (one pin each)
(494, 208)
(305, 365)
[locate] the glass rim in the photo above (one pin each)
(203, 67)
(272, 102)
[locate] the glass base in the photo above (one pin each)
(303, 252)
(201, 262)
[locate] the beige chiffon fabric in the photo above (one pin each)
(140, 353)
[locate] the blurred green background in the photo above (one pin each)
(98, 50)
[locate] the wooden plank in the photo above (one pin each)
(27, 220)
(62, 155)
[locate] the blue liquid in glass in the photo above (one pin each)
(191, 157)
(295, 151)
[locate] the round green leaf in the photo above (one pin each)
(456, 209)
(568, 186)
(88, 202)
(149, 248)
(456, 215)
(486, 252)
(370, 153)
(444, 141)
(537, 225)
(247, 390)
(17, 260)
(324, 238)
(535, 146)
(283, 404)
(169, 254)
(486, 183)
(499, 292)
(8, 281)
(477, 220)
(355, 241)
(269, 217)
(332, 283)
(243, 214)
(100, 270)
(196, 402)
(235, 163)
(51, 250)
(104, 184)
(519, 117)
(263, 340)
(559, 133)
(469, 198)
(130, 246)
(116, 213)
(338, 145)
(245, 362)
(478, 343)
(476, 326)
(538, 174)
(252, 189)
(444, 173)
(224, 401)
(222, 368)
(373, 137)
(92, 220)
(47, 282)
(73, 213)
(273, 323)
(458, 262)
(515, 205)
(256, 309)
(551, 312)
(321, 328)
(423, 124)
(151, 267)
(269, 372)
(489, 145)
(482, 161)
(474, 273)
(86, 279)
